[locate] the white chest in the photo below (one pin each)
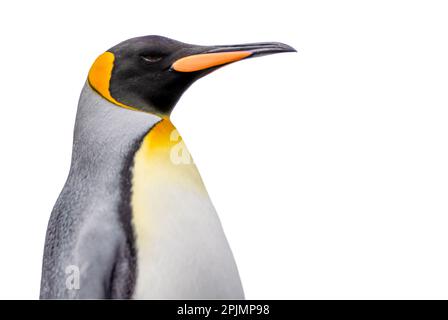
(182, 252)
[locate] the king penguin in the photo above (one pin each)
(134, 220)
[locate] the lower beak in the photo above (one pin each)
(221, 55)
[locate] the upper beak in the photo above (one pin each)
(220, 55)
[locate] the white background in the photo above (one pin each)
(329, 168)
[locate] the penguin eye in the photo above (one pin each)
(151, 58)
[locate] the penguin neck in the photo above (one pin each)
(105, 133)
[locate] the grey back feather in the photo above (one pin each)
(90, 224)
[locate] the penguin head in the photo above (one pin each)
(151, 73)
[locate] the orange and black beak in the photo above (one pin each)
(210, 58)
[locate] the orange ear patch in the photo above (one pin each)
(207, 60)
(99, 77)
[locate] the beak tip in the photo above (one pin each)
(286, 48)
(271, 48)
